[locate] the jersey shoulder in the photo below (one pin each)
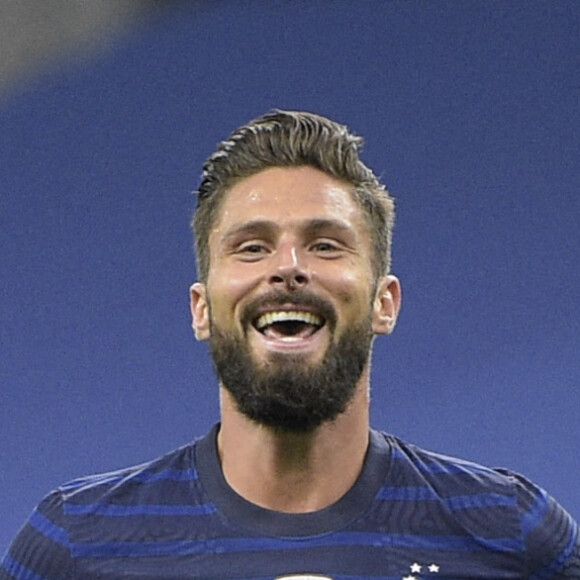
(498, 508)
(135, 483)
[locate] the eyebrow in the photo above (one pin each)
(316, 224)
(266, 226)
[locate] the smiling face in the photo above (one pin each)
(291, 303)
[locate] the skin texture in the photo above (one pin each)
(292, 230)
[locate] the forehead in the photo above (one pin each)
(288, 195)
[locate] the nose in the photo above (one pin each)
(289, 268)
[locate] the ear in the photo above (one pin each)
(386, 305)
(199, 311)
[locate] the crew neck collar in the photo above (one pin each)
(263, 521)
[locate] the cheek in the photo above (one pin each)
(353, 291)
(227, 290)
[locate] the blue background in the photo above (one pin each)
(470, 112)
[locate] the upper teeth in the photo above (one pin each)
(284, 316)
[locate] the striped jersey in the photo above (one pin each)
(411, 515)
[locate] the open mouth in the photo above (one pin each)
(288, 325)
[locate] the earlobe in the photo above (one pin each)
(386, 305)
(199, 311)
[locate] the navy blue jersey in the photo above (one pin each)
(412, 515)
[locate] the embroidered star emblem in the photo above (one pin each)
(416, 569)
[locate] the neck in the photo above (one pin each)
(294, 472)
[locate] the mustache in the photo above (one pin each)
(273, 299)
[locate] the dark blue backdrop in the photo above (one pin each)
(470, 112)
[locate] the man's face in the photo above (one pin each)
(291, 303)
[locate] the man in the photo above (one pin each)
(293, 236)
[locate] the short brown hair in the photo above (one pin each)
(293, 139)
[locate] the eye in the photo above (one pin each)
(327, 248)
(252, 250)
(323, 246)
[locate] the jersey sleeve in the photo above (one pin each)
(40, 551)
(550, 535)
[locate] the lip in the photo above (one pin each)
(288, 307)
(269, 308)
(262, 321)
(291, 344)
(309, 345)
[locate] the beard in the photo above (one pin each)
(285, 392)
